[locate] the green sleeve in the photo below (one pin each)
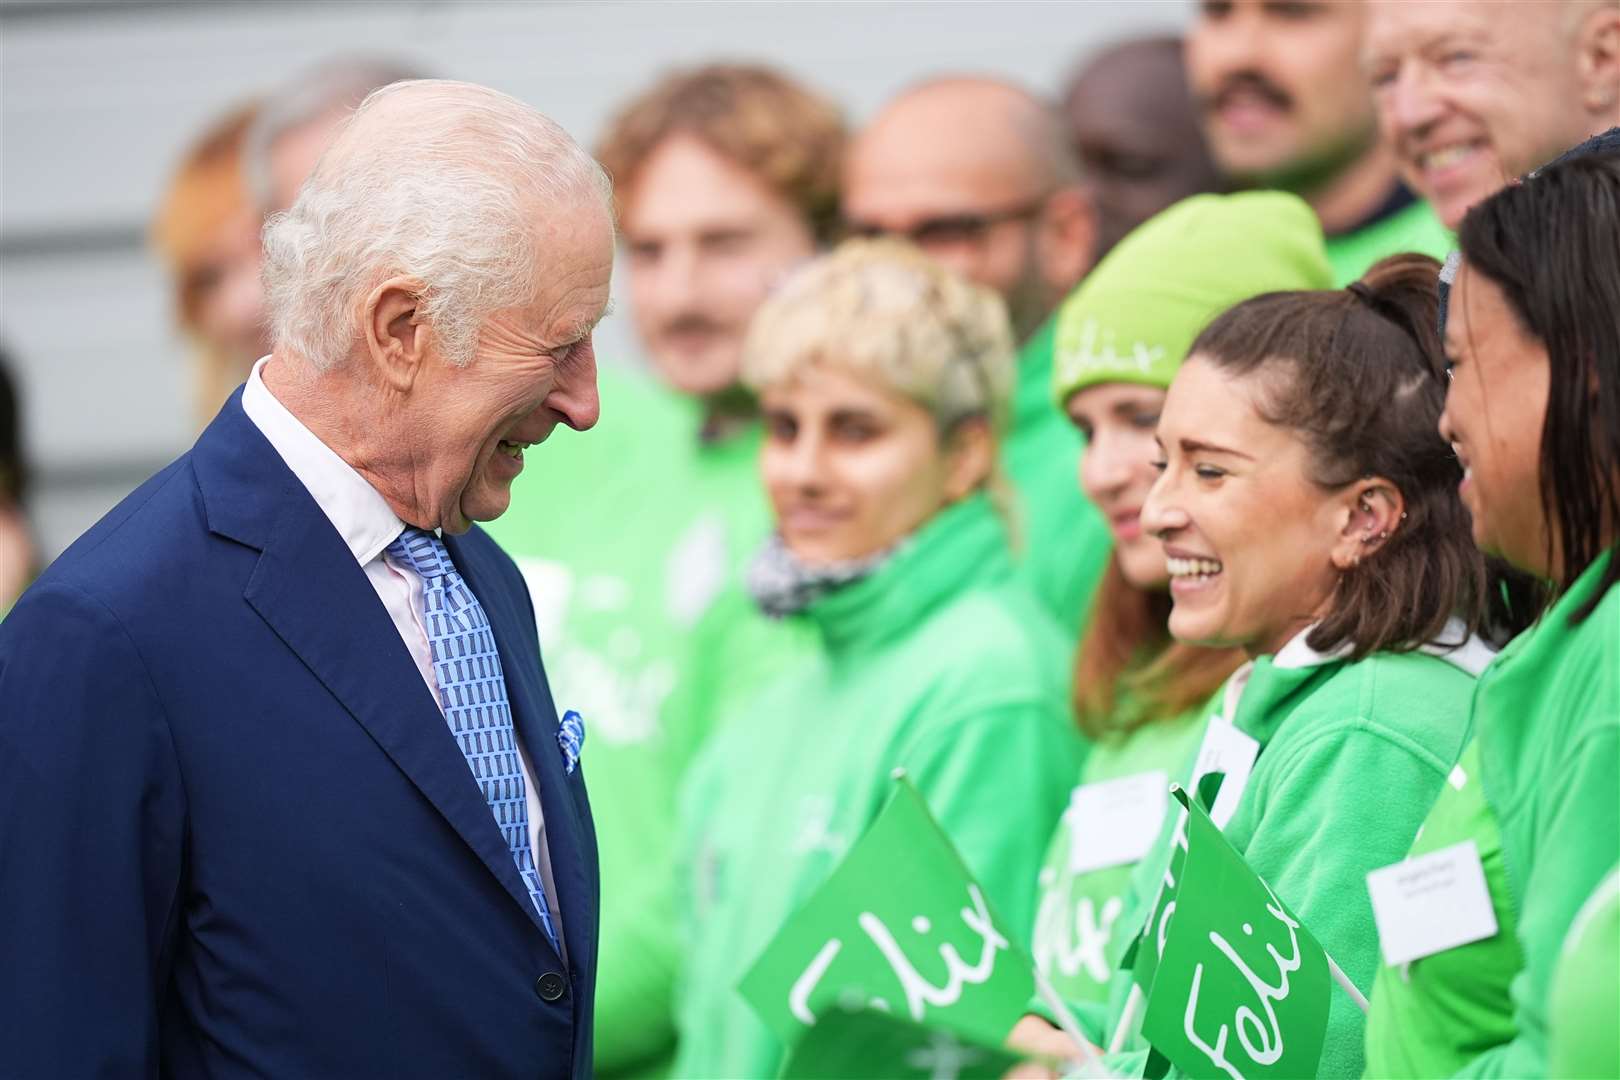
(965, 769)
(634, 1020)
(1346, 799)
(1576, 824)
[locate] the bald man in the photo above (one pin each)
(979, 174)
(1472, 93)
(1131, 122)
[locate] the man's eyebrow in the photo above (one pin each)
(1194, 446)
(585, 327)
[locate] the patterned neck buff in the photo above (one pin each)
(782, 584)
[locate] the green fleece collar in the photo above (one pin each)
(961, 546)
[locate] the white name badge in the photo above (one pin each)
(1431, 903)
(1225, 750)
(1114, 822)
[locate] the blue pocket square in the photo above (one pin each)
(571, 738)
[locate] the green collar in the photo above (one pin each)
(962, 546)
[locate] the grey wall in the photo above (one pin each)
(97, 101)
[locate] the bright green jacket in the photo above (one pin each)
(1546, 718)
(941, 662)
(1414, 227)
(1074, 940)
(1584, 1037)
(1063, 539)
(631, 537)
(1351, 758)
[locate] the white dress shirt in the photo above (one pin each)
(367, 525)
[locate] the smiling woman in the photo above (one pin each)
(1309, 513)
(883, 379)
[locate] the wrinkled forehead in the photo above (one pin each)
(1407, 27)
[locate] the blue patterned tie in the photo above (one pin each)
(472, 692)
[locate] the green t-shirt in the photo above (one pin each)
(1414, 227)
(629, 535)
(1080, 903)
(1063, 539)
(1546, 720)
(1584, 1014)
(941, 662)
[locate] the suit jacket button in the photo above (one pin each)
(550, 986)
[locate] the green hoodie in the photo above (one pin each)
(1351, 757)
(1063, 539)
(1545, 814)
(630, 537)
(940, 662)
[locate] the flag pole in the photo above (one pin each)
(1127, 1020)
(1344, 982)
(1071, 1027)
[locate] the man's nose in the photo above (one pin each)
(578, 400)
(1411, 104)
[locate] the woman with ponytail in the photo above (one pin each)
(1309, 515)
(1139, 696)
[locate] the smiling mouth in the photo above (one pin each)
(512, 449)
(1446, 157)
(1192, 571)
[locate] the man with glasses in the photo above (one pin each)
(979, 174)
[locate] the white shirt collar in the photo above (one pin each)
(355, 508)
(1467, 652)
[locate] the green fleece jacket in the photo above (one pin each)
(631, 537)
(941, 662)
(1545, 813)
(1351, 758)
(1063, 540)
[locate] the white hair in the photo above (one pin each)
(435, 180)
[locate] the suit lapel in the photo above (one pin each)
(535, 716)
(309, 589)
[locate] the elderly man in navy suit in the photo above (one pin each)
(283, 790)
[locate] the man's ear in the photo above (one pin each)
(397, 337)
(1372, 511)
(1068, 239)
(970, 455)
(1597, 63)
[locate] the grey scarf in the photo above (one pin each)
(783, 584)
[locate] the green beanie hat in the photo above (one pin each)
(1137, 313)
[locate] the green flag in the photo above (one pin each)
(902, 927)
(1242, 989)
(867, 1043)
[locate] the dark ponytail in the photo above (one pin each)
(1363, 383)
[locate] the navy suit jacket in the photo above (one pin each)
(236, 835)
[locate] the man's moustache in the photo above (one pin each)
(691, 324)
(1250, 81)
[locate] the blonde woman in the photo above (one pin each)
(883, 381)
